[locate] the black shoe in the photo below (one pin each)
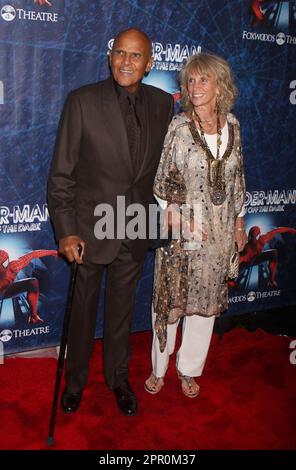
(126, 399)
(70, 402)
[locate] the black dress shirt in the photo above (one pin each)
(138, 99)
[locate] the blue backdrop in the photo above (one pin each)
(48, 50)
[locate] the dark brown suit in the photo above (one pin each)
(92, 165)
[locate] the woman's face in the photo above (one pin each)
(202, 89)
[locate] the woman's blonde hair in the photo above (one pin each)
(209, 64)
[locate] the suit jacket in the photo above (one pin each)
(92, 164)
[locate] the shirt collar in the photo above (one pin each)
(122, 93)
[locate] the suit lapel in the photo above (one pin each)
(114, 123)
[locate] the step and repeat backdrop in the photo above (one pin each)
(48, 48)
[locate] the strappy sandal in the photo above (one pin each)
(189, 387)
(153, 384)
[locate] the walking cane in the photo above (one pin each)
(63, 344)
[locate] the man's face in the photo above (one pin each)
(130, 59)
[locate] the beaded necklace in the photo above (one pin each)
(215, 165)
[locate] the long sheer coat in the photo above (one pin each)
(194, 281)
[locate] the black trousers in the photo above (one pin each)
(121, 282)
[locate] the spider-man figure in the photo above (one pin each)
(258, 15)
(257, 12)
(253, 253)
(8, 273)
(43, 2)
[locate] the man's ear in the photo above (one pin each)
(149, 65)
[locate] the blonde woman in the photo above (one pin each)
(201, 163)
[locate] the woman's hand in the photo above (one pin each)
(240, 233)
(178, 223)
(201, 231)
(241, 239)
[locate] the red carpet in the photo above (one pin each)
(247, 401)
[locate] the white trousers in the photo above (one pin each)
(191, 357)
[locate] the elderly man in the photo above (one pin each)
(108, 145)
